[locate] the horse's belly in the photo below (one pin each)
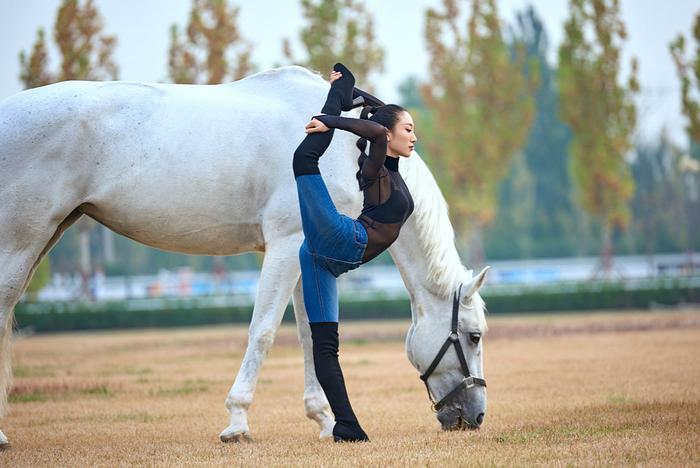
(194, 234)
(190, 213)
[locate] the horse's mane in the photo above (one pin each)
(435, 233)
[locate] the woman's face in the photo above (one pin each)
(401, 139)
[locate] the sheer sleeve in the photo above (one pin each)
(374, 132)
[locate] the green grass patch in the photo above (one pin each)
(28, 397)
(32, 371)
(190, 386)
(619, 399)
(101, 390)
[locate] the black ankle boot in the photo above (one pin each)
(330, 376)
(340, 94)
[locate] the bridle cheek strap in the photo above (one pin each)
(468, 381)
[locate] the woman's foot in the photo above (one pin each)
(345, 433)
(340, 95)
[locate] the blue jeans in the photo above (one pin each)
(333, 244)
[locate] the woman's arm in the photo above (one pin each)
(374, 132)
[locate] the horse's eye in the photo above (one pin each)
(475, 337)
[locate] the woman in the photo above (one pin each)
(335, 243)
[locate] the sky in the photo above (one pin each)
(142, 29)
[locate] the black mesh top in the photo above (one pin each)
(387, 202)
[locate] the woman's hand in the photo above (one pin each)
(334, 75)
(315, 126)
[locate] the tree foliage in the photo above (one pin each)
(535, 200)
(338, 31)
(481, 109)
(203, 56)
(41, 278)
(659, 221)
(86, 52)
(599, 110)
(689, 74)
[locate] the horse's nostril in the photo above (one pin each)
(480, 418)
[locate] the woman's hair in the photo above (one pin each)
(387, 115)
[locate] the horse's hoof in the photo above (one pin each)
(236, 438)
(326, 431)
(4, 443)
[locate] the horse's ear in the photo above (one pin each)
(475, 284)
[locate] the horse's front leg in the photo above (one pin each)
(315, 402)
(280, 272)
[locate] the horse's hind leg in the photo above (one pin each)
(20, 255)
(315, 401)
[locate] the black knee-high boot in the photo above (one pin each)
(314, 145)
(330, 376)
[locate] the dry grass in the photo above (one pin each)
(597, 389)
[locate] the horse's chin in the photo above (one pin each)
(452, 419)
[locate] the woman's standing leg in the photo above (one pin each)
(319, 218)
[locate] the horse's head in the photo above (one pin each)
(457, 385)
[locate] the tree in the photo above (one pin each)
(689, 74)
(339, 31)
(481, 108)
(212, 32)
(658, 220)
(86, 54)
(41, 277)
(535, 200)
(600, 112)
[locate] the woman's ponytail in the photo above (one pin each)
(362, 145)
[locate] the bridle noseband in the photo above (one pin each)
(469, 380)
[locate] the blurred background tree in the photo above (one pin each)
(481, 110)
(689, 74)
(212, 35)
(41, 278)
(85, 51)
(689, 163)
(535, 198)
(601, 113)
(658, 221)
(338, 31)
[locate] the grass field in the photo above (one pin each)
(595, 389)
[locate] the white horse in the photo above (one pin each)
(207, 169)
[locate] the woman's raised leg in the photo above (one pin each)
(319, 217)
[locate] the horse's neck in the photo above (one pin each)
(411, 260)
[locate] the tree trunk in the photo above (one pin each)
(475, 247)
(85, 262)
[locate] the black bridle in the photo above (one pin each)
(469, 380)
